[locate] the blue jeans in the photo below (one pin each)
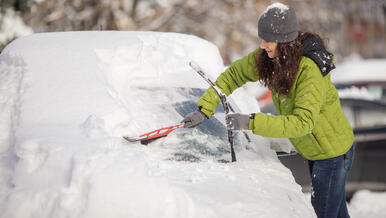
(328, 177)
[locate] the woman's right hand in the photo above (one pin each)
(193, 119)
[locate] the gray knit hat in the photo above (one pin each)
(278, 23)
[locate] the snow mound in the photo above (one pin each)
(67, 98)
(368, 204)
(11, 26)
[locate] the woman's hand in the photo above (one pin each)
(193, 119)
(237, 121)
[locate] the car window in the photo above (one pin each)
(207, 139)
(210, 126)
(364, 114)
(367, 117)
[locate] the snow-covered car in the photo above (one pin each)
(67, 99)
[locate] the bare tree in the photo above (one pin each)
(230, 24)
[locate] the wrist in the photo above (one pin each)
(203, 112)
(251, 121)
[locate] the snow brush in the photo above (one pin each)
(154, 135)
(224, 103)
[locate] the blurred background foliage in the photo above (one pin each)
(348, 26)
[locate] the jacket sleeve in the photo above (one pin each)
(239, 72)
(309, 97)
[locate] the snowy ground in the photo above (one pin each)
(65, 100)
(368, 204)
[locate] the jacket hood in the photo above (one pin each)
(314, 49)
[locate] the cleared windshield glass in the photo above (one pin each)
(207, 140)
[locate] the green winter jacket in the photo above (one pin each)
(311, 116)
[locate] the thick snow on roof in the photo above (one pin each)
(67, 98)
(356, 70)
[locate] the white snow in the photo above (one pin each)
(67, 98)
(368, 74)
(355, 92)
(11, 26)
(368, 204)
(356, 69)
(282, 7)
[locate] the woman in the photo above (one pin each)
(295, 66)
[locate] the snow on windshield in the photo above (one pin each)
(66, 100)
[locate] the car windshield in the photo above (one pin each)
(207, 140)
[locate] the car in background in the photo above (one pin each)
(369, 76)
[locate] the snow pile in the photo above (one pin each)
(368, 204)
(67, 98)
(11, 26)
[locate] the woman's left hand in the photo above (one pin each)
(237, 121)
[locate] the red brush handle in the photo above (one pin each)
(161, 132)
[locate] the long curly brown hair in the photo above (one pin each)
(279, 74)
